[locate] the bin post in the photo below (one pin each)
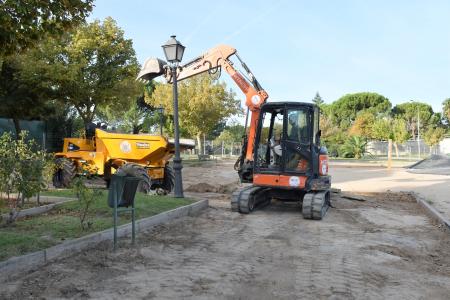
(133, 225)
(122, 192)
(115, 223)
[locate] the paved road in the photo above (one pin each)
(435, 188)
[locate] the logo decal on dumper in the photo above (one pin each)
(125, 147)
(142, 145)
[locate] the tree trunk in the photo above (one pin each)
(17, 127)
(136, 129)
(396, 149)
(389, 163)
(87, 117)
(200, 144)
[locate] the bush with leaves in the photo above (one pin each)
(433, 136)
(24, 171)
(355, 146)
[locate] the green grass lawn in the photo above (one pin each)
(62, 223)
(69, 193)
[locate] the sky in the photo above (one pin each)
(400, 49)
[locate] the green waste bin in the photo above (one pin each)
(121, 195)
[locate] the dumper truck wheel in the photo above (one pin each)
(137, 171)
(169, 179)
(65, 172)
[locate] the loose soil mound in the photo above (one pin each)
(435, 164)
(208, 188)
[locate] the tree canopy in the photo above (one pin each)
(432, 136)
(26, 22)
(21, 98)
(363, 124)
(410, 111)
(446, 109)
(203, 103)
(344, 111)
(91, 67)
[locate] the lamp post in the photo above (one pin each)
(173, 50)
(418, 130)
(161, 112)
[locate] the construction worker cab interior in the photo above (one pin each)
(288, 154)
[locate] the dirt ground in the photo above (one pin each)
(384, 247)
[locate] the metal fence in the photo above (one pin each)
(217, 149)
(412, 149)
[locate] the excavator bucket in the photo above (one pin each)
(153, 67)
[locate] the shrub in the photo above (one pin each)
(24, 170)
(355, 146)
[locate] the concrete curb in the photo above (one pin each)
(32, 261)
(431, 211)
(40, 209)
(45, 198)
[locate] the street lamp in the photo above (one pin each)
(161, 113)
(173, 50)
(418, 128)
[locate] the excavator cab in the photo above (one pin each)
(285, 142)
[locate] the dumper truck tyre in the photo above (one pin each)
(137, 171)
(169, 179)
(65, 172)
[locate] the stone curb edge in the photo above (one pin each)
(40, 209)
(34, 260)
(431, 211)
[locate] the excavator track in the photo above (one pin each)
(315, 205)
(245, 200)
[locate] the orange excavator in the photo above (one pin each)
(281, 155)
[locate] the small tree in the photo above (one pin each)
(363, 125)
(332, 136)
(86, 198)
(433, 136)
(399, 134)
(23, 170)
(381, 129)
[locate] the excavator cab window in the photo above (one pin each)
(269, 150)
(285, 139)
(298, 140)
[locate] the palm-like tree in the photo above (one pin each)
(355, 146)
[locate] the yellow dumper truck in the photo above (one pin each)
(142, 155)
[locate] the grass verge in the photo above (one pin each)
(68, 193)
(62, 223)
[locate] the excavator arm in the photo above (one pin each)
(210, 61)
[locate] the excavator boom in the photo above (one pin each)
(213, 59)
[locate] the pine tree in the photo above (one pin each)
(318, 100)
